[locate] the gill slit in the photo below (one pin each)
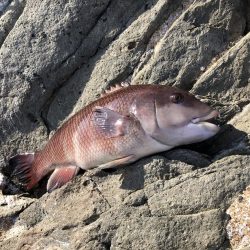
(157, 128)
(155, 114)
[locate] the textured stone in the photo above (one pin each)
(10, 207)
(227, 80)
(188, 156)
(238, 228)
(185, 50)
(95, 211)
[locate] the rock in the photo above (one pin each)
(160, 233)
(230, 87)
(242, 120)
(10, 207)
(95, 211)
(11, 11)
(3, 5)
(185, 50)
(188, 156)
(115, 63)
(238, 226)
(57, 57)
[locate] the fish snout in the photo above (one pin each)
(211, 115)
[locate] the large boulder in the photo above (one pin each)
(57, 56)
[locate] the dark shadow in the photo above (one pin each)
(133, 177)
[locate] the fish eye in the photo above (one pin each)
(177, 98)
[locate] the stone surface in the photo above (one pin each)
(185, 50)
(227, 80)
(238, 228)
(57, 56)
(114, 63)
(135, 207)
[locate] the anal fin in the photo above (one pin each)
(61, 176)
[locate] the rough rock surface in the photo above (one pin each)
(57, 56)
(239, 226)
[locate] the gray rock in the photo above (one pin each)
(10, 10)
(227, 80)
(95, 212)
(188, 156)
(57, 57)
(10, 207)
(112, 64)
(185, 50)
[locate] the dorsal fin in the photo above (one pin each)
(115, 88)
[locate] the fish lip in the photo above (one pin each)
(210, 115)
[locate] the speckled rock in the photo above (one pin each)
(136, 207)
(238, 228)
(185, 51)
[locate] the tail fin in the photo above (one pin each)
(21, 165)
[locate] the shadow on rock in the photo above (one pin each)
(133, 179)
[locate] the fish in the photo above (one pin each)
(125, 124)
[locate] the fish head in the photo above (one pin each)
(182, 118)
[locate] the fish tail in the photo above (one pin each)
(22, 167)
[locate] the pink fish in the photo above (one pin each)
(121, 127)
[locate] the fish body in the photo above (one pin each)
(119, 128)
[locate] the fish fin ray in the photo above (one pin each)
(21, 167)
(61, 176)
(110, 122)
(115, 88)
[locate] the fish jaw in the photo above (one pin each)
(199, 129)
(212, 114)
(196, 130)
(206, 128)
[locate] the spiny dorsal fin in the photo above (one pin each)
(115, 88)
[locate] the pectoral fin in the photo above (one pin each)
(110, 123)
(61, 176)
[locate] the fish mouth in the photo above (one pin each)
(206, 118)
